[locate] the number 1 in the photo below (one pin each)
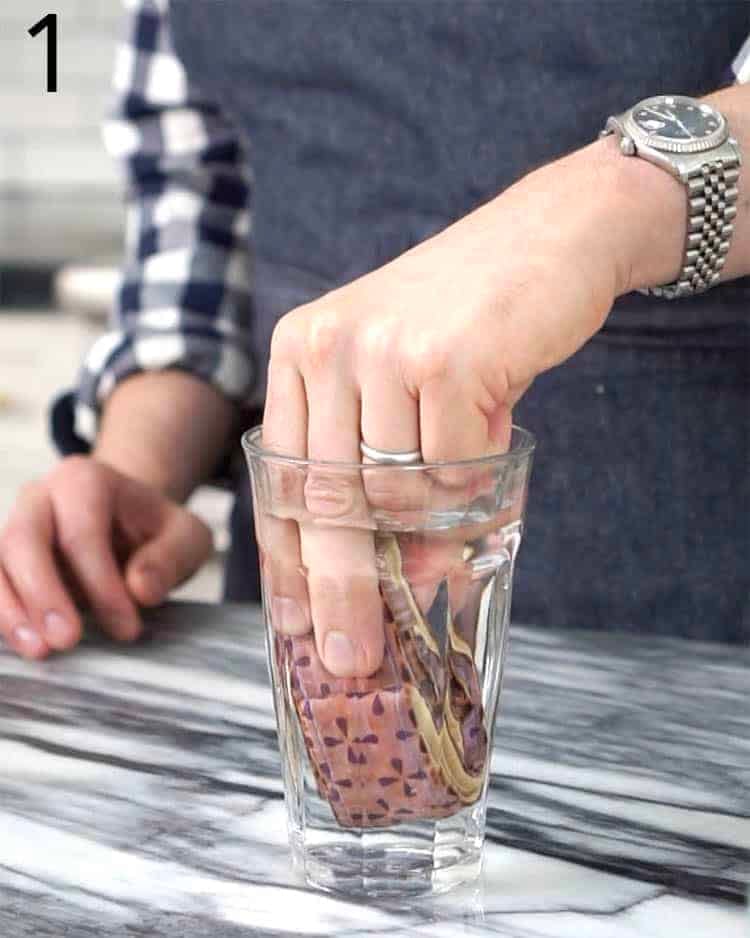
(49, 23)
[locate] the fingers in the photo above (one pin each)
(390, 422)
(347, 609)
(83, 507)
(452, 426)
(61, 538)
(179, 549)
(32, 594)
(451, 429)
(164, 543)
(427, 560)
(15, 627)
(284, 431)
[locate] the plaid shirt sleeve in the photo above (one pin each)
(740, 68)
(185, 297)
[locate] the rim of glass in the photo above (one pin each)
(524, 445)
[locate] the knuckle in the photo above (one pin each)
(386, 490)
(428, 359)
(77, 537)
(312, 335)
(286, 484)
(285, 338)
(75, 464)
(81, 470)
(379, 344)
(329, 495)
(456, 479)
(324, 338)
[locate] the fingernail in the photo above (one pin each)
(27, 641)
(57, 631)
(338, 654)
(288, 616)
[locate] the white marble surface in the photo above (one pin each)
(140, 794)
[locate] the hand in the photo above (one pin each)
(88, 531)
(432, 352)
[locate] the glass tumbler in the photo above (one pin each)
(385, 774)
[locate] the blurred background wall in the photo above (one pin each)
(59, 191)
(61, 221)
(33, 123)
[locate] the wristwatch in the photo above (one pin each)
(691, 140)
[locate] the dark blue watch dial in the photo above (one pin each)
(677, 120)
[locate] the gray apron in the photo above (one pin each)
(371, 125)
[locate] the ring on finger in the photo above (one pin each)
(389, 458)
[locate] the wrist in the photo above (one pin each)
(166, 429)
(642, 217)
(648, 206)
(123, 454)
(622, 219)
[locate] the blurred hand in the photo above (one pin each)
(86, 532)
(431, 352)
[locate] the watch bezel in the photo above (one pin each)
(669, 145)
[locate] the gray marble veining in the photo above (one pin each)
(140, 793)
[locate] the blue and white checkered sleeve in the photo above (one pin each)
(185, 298)
(740, 69)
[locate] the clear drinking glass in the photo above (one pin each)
(385, 776)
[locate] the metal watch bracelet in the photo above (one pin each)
(712, 195)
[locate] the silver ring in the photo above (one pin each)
(385, 458)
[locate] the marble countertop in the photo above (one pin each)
(140, 794)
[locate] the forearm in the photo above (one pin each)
(624, 214)
(167, 429)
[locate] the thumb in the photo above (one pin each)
(178, 548)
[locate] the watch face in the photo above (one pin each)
(671, 122)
